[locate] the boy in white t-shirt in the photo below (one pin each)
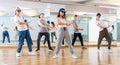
(103, 31)
(23, 32)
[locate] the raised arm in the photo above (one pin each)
(59, 22)
(76, 27)
(22, 23)
(102, 26)
(42, 25)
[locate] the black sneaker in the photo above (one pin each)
(50, 49)
(37, 50)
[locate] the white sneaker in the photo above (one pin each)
(99, 50)
(74, 56)
(31, 53)
(50, 50)
(109, 50)
(17, 54)
(55, 56)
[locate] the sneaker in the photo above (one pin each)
(74, 56)
(109, 50)
(37, 50)
(99, 50)
(8, 44)
(17, 54)
(50, 50)
(55, 56)
(31, 53)
(84, 47)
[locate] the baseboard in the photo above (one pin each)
(61, 46)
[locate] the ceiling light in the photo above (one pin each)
(79, 13)
(114, 2)
(112, 7)
(30, 12)
(3, 13)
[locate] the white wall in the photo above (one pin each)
(93, 30)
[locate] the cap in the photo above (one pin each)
(61, 9)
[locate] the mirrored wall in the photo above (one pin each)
(83, 22)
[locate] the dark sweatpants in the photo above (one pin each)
(102, 34)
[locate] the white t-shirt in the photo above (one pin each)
(22, 27)
(3, 27)
(102, 22)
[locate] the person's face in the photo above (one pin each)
(18, 12)
(75, 18)
(97, 17)
(42, 16)
(52, 25)
(62, 13)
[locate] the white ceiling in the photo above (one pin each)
(92, 6)
(100, 3)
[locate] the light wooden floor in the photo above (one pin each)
(89, 56)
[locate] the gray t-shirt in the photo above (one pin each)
(43, 29)
(75, 30)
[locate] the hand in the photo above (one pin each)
(80, 28)
(31, 28)
(6, 27)
(28, 22)
(108, 26)
(50, 26)
(69, 23)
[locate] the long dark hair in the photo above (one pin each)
(64, 16)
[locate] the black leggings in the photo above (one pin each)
(80, 38)
(47, 39)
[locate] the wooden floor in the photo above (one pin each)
(89, 56)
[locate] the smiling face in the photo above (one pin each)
(62, 13)
(17, 12)
(98, 17)
(42, 16)
(75, 17)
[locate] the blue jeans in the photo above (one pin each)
(24, 35)
(5, 34)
